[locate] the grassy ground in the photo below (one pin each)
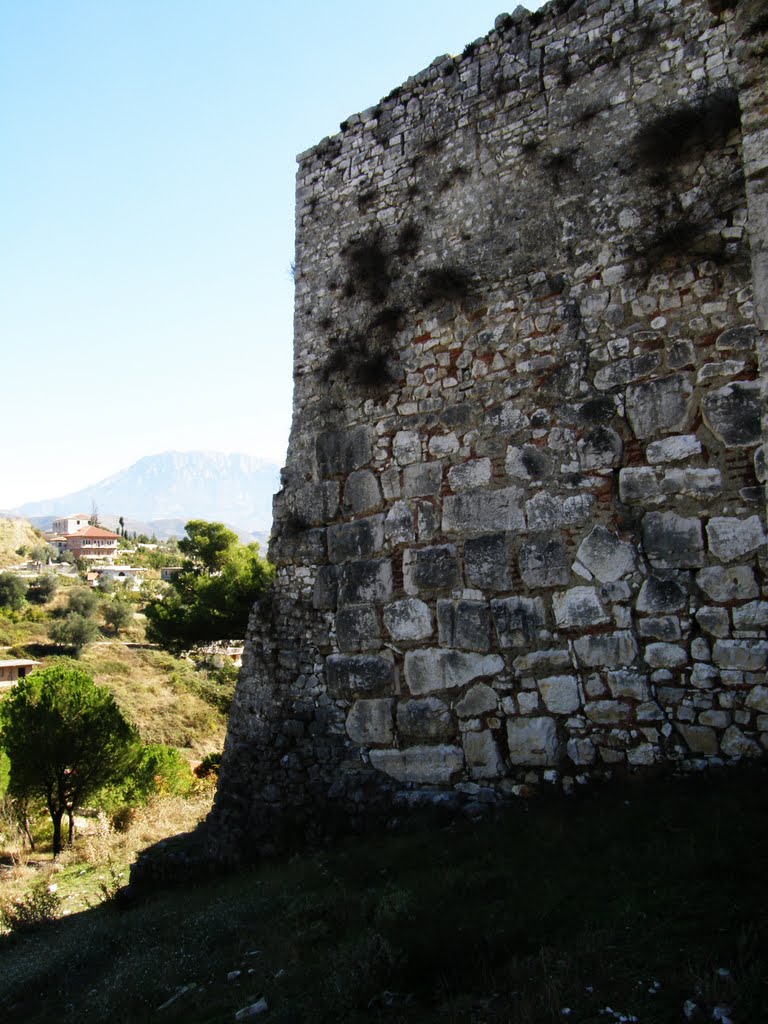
(642, 904)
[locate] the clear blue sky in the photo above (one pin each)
(146, 213)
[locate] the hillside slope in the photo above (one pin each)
(14, 534)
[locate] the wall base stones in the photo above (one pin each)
(521, 538)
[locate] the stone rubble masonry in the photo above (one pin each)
(521, 536)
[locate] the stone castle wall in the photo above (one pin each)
(521, 537)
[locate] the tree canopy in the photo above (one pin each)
(13, 591)
(212, 597)
(66, 738)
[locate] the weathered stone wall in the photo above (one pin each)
(521, 535)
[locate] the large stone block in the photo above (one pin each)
(743, 655)
(735, 744)
(672, 541)
(427, 720)
(611, 650)
(606, 557)
(751, 616)
(426, 570)
(340, 452)
(317, 504)
(481, 752)
(361, 675)
(624, 371)
(478, 700)
(544, 563)
(422, 479)
(733, 412)
(433, 669)
(528, 463)
(406, 447)
(547, 512)
(673, 449)
(464, 624)
(326, 589)
(408, 619)
(486, 562)
(517, 620)
(663, 655)
(728, 583)
(662, 406)
(400, 524)
(560, 694)
(700, 739)
(362, 492)
(370, 722)
(357, 628)
(600, 448)
(356, 541)
(425, 764)
(579, 608)
(532, 741)
(659, 594)
(360, 582)
(484, 511)
(470, 475)
(730, 538)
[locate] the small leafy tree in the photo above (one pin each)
(118, 614)
(13, 591)
(75, 631)
(42, 589)
(212, 597)
(66, 738)
(83, 601)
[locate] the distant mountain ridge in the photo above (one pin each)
(232, 488)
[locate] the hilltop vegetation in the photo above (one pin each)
(14, 535)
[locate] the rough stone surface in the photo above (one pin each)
(579, 608)
(532, 741)
(526, 440)
(369, 722)
(606, 557)
(419, 764)
(434, 669)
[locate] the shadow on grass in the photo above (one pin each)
(637, 898)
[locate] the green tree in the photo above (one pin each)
(42, 588)
(5, 772)
(13, 591)
(83, 601)
(75, 631)
(118, 614)
(66, 739)
(42, 553)
(212, 597)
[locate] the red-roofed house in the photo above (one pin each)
(92, 542)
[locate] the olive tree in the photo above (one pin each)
(66, 738)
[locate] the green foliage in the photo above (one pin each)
(5, 772)
(161, 769)
(209, 766)
(40, 905)
(43, 588)
(66, 738)
(75, 631)
(83, 601)
(42, 553)
(13, 591)
(211, 598)
(118, 614)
